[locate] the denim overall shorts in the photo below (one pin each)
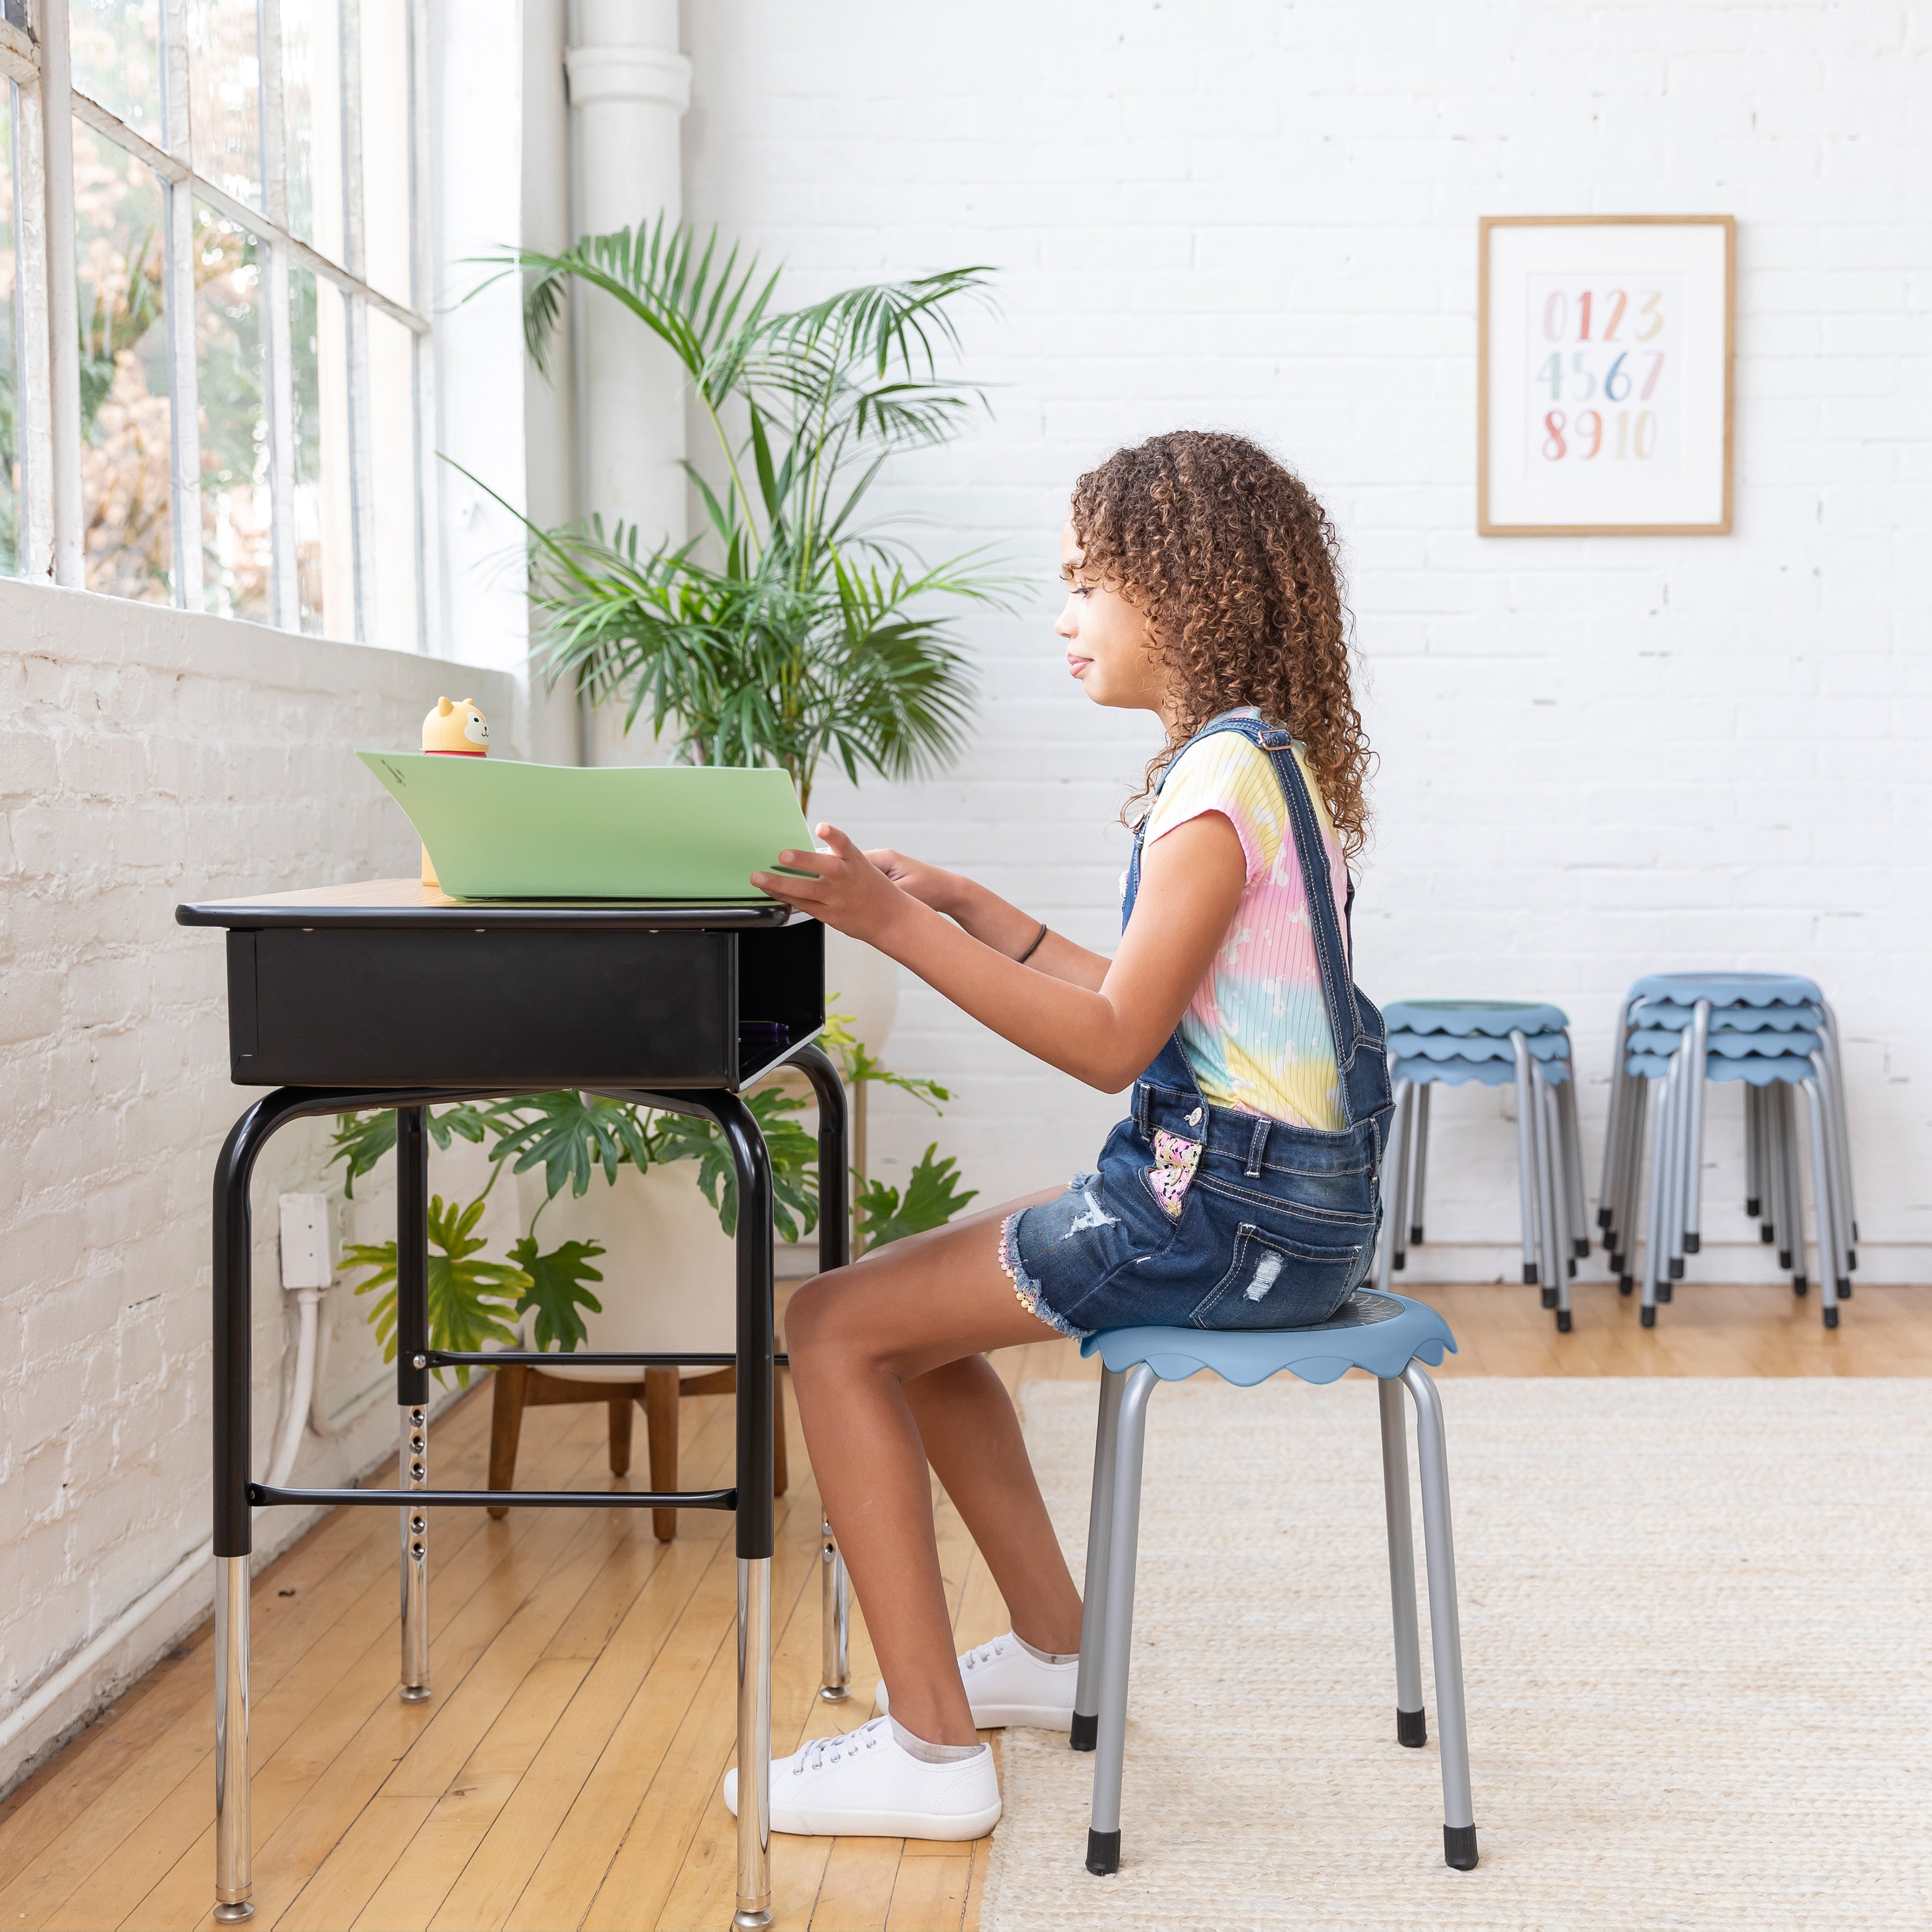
(1210, 1217)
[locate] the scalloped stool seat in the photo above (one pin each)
(1520, 1043)
(1389, 1337)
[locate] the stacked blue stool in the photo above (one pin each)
(1389, 1337)
(1774, 1033)
(1499, 1043)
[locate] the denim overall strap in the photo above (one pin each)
(1359, 1049)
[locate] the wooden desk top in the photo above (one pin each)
(406, 902)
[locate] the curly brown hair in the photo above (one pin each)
(1234, 563)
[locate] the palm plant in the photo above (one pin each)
(791, 630)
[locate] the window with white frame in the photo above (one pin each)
(214, 360)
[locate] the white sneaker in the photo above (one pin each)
(866, 1785)
(1005, 1683)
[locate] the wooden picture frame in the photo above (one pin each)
(1565, 302)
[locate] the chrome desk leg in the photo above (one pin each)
(754, 1743)
(1411, 1720)
(1445, 1629)
(412, 1390)
(232, 1883)
(1099, 1541)
(414, 1461)
(1103, 1834)
(835, 1617)
(1525, 1156)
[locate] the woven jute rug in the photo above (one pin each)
(1697, 1638)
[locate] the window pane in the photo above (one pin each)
(117, 59)
(120, 253)
(392, 465)
(325, 537)
(385, 147)
(236, 553)
(10, 441)
(312, 109)
(224, 85)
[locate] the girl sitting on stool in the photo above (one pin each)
(1239, 1193)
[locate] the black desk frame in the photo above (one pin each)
(236, 1495)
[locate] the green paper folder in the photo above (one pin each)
(498, 830)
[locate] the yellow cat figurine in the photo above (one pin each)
(455, 729)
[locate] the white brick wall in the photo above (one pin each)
(148, 757)
(1599, 757)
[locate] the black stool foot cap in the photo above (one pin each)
(1103, 1852)
(1549, 1297)
(1799, 1285)
(1625, 1283)
(1851, 1261)
(1650, 1318)
(1830, 1318)
(1675, 1270)
(1751, 1206)
(1664, 1290)
(1563, 1321)
(1529, 1274)
(1579, 1246)
(1415, 1236)
(1692, 1243)
(1784, 1258)
(1844, 1289)
(1459, 1847)
(1399, 1262)
(1086, 1731)
(1603, 1217)
(1766, 1233)
(1411, 1728)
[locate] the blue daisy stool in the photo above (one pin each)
(1390, 1337)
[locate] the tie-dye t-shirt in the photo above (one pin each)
(1257, 1031)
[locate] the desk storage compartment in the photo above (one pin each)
(503, 1010)
(781, 993)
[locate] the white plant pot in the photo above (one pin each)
(670, 1274)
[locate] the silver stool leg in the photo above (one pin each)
(1693, 1153)
(1753, 1159)
(1103, 1834)
(1445, 1629)
(1660, 1156)
(835, 1617)
(1630, 1185)
(1394, 1193)
(1411, 1720)
(1821, 1192)
(1835, 1057)
(1681, 1082)
(1825, 1063)
(1791, 1234)
(415, 1524)
(1525, 1156)
(1555, 1201)
(1099, 1542)
(1573, 1164)
(1420, 1177)
(232, 1886)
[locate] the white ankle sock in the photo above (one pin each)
(928, 1753)
(1039, 1656)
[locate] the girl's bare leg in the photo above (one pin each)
(855, 1338)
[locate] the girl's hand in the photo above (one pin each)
(929, 884)
(846, 891)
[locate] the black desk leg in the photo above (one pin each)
(234, 1537)
(756, 1513)
(834, 1250)
(413, 1390)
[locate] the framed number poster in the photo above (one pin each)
(1603, 377)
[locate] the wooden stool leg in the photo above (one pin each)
(506, 1425)
(620, 1435)
(661, 1401)
(780, 1476)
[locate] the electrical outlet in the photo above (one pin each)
(308, 1258)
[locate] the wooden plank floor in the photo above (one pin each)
(566, 1772)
